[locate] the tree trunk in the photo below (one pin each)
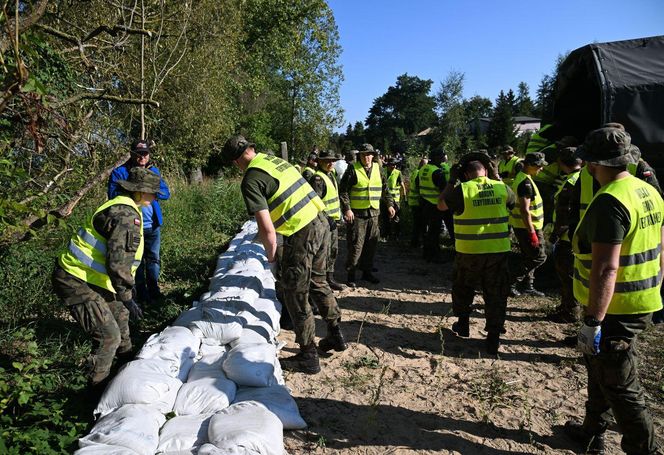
(196, 175)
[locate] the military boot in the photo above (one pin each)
(334, 285)
(462, 326)
(305, 361)
(591, 443)
(529, 289)
(334, 340)
(492, 343)
(350, 279)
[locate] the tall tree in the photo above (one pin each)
(477, 107)
(546, 92)
(501, 129)
(405, 109)
(524, 104)
(452, 130)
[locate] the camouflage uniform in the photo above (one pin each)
(100, 312)
(303, 268)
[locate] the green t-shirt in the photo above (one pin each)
(257, 187)
(607, 220)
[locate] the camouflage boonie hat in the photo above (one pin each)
(535, 159)
(367, 148)
(507, 149)
(142, 180)
(567, 156)
(609, 146)
(328, 155)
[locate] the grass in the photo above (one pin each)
(45, 405)
(492, 392)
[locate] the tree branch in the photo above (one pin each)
(23, 24)
(103, 97)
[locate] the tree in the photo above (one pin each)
(452, 131)
(405, 109)
(546, 92)
(477, 107)
(501, 129)
(524, 104)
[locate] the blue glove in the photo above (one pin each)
(588, 339)
(135, 311)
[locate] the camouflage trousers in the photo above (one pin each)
(531, 257)
(303, 266)
(362, 238)
(102, 317)
(433, 219)
(489, 271)
(564, 260)
(333, 251)
(614, 386)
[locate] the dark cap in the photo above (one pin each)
(567, 156)
(535, 159)
(328, 155)
(507, 149)
(366, 148)
(609, 146)
(313, 156)
(567, 141)
(140, 147)
(391, 162)
(143, 180)
(482, 157)
(234, 147)
(437, 154)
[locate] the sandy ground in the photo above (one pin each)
(407, 384)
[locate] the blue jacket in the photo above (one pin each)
(122, 173)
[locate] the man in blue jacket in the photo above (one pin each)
(147, 275)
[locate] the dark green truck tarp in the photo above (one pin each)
(620, 81)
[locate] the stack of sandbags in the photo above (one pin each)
(216, 370)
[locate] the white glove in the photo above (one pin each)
(588, 339)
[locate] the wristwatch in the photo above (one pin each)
(591, 321)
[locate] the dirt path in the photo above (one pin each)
(409, 385)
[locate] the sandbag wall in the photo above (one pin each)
(215, 370)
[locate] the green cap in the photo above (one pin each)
(535, 159)
(234, 147)
(328, 155)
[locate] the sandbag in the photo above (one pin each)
(141, 382)
(177, 345)
(183, 435)
(219, 325)
(133, 426)
(103, 449)
(187, 317)
(278, 400)
(247, 426)
(256, 333)
(251, 364)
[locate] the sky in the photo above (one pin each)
(495, 43)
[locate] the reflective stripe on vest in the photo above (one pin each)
(587, 190)
(367, 191)
(393, 185)
(413, 190)
(570, 179)
(85, 257)
(483, 227)
(428, 191)
(536, 208)
(331, 199)
(295, 204)
(639, 274)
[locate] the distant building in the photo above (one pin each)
(522, 125)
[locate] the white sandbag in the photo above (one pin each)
(222, 326)
(183, 435)
(205, 395)
(177, 345)
(251, 364)
(268, 310)
(256, 333)
(209, 449)
(187, 317)
(103, 449)
(278, 400)
(248, 426)
(210, 354)
(133, 426)
(221, 293)
(141, 382)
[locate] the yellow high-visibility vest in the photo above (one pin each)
(483, 227)
(85, 257)
(367, 191)
(414, 190)
(295, 203)
(393, 185)
(587, 190)
(331, 199)
(639, 275)
(536, 206)
(428, 190)
(508, 166)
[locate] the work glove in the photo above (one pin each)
(588, 339)
(534, 239)
(135, 311)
